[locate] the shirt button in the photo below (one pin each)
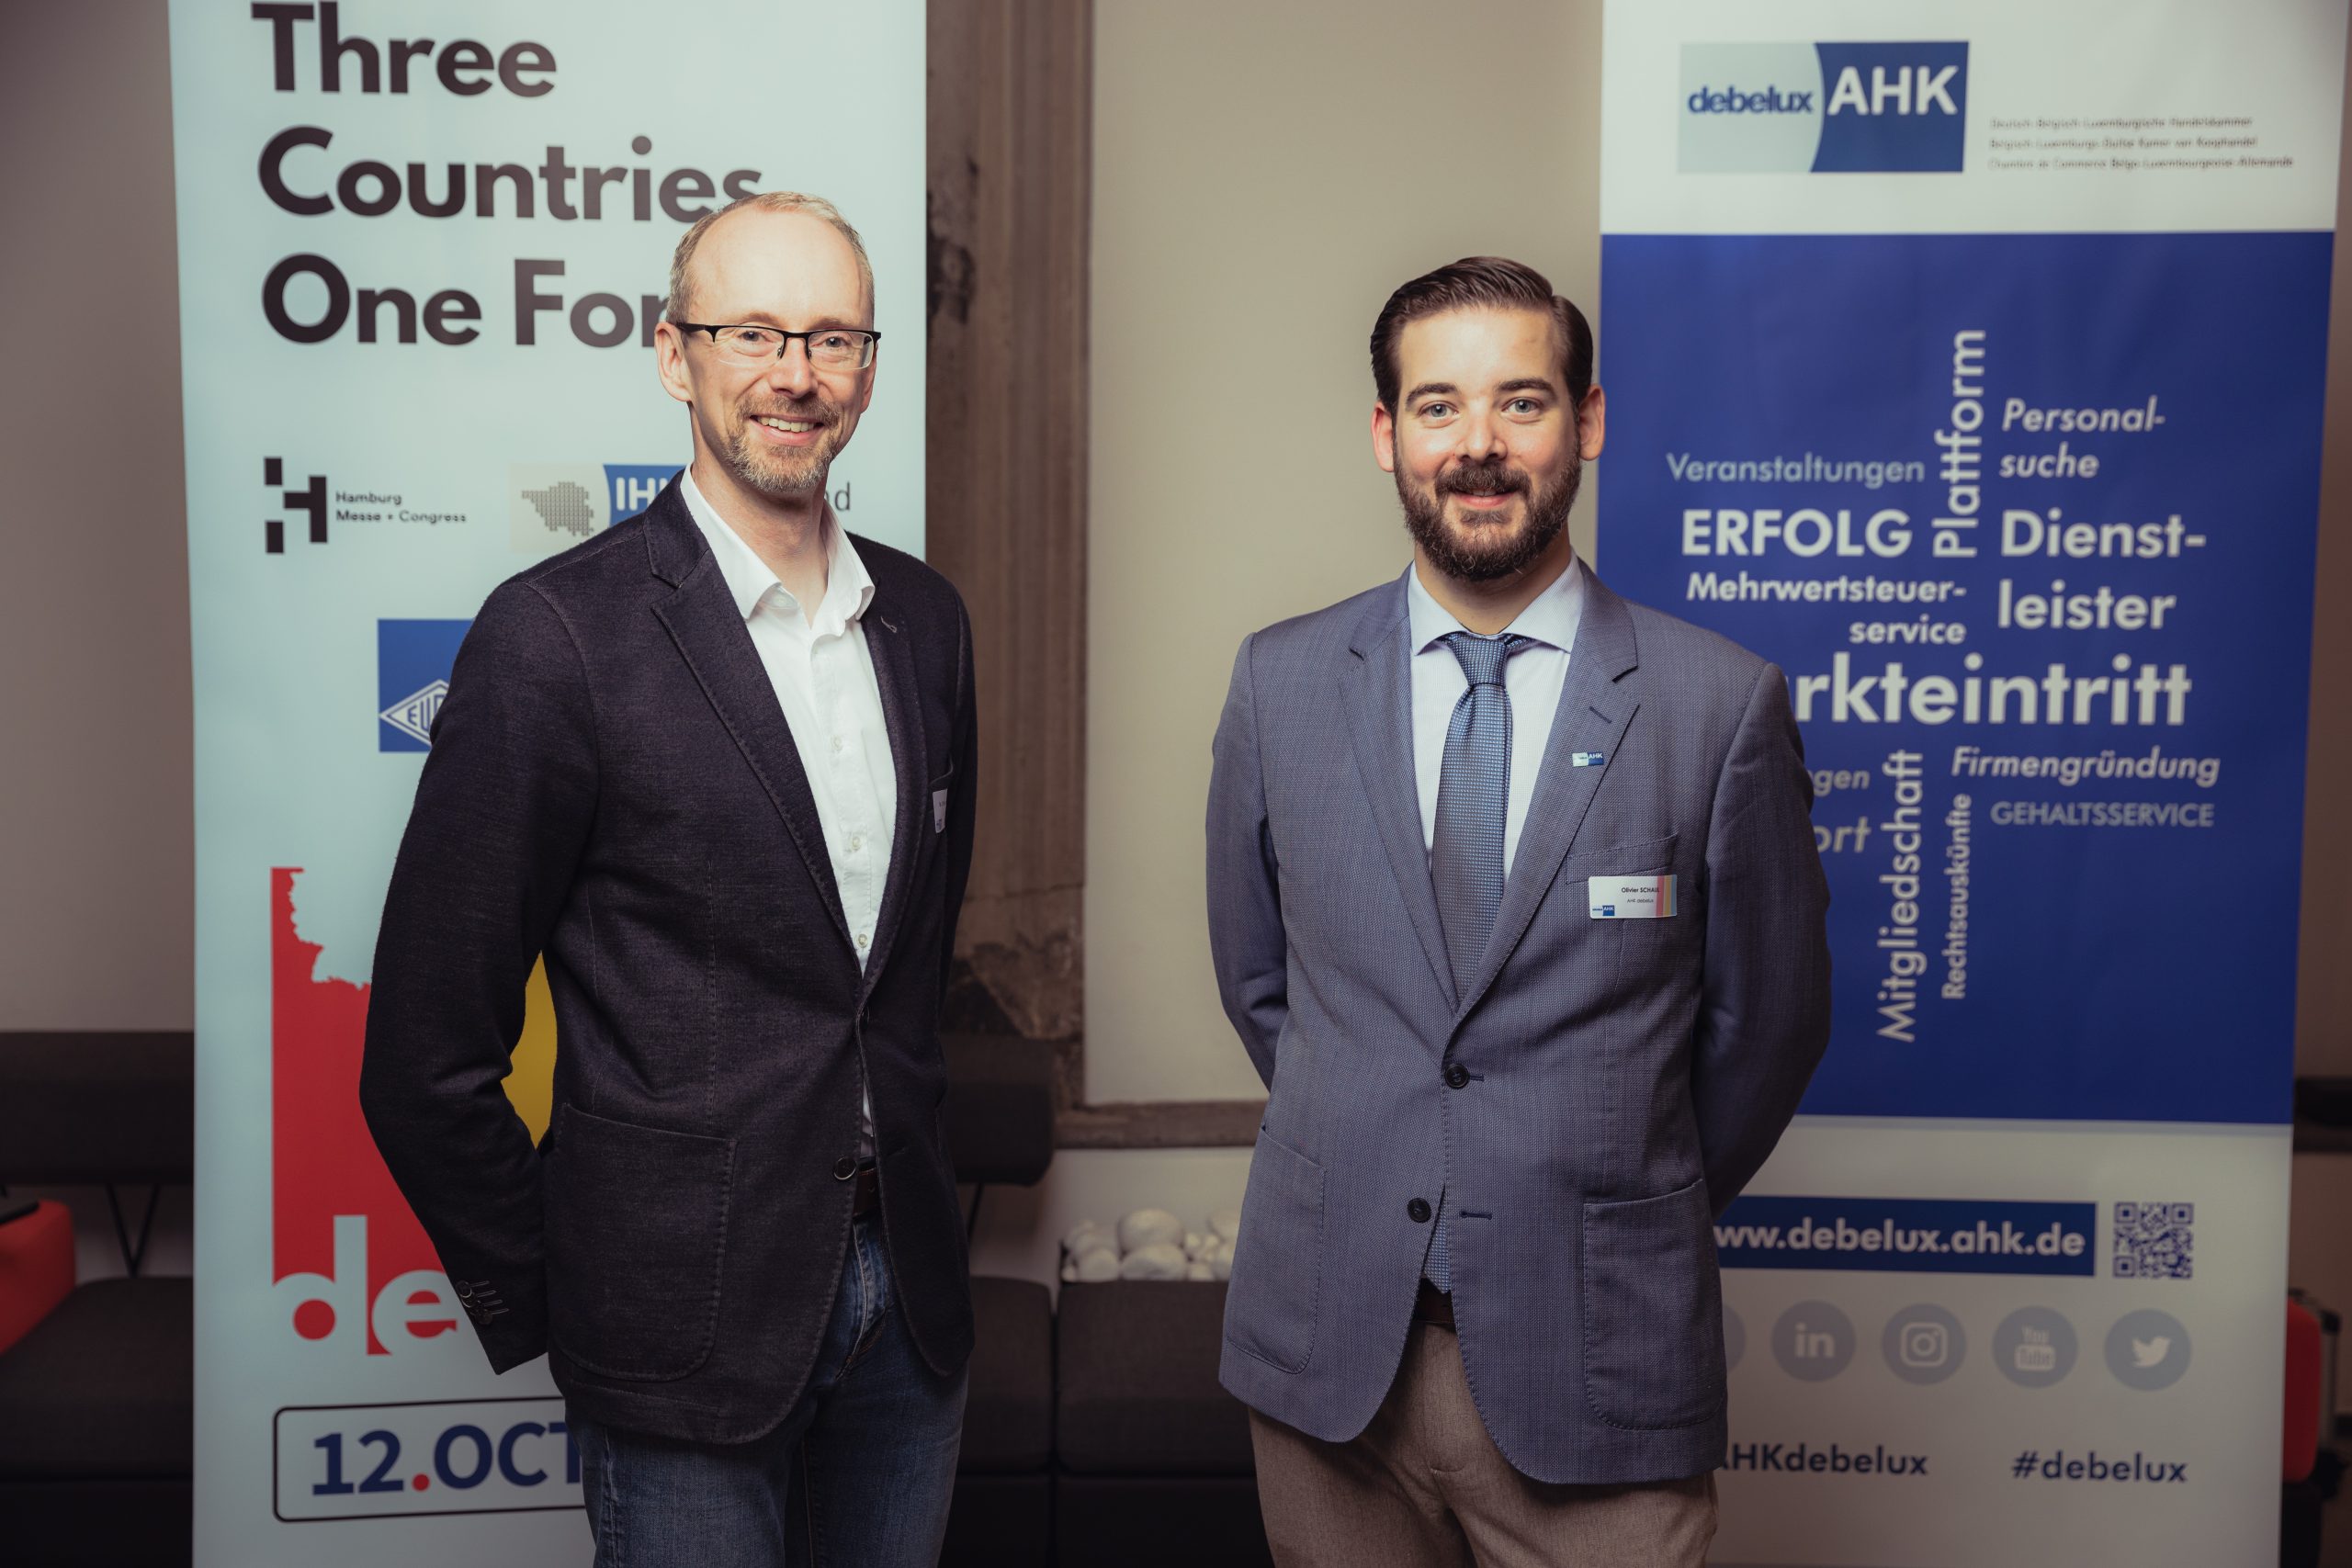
(837, 742)
(1419, 1210)
(861, 941)
(843, 1168)
(1456, 1075)
(856, 842)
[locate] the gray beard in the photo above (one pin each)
(777, 477)
(1485, 552)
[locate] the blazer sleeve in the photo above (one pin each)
(1246, 939)
(1764, 1006)
(503, 811)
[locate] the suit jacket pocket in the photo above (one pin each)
(1271, 1305)
(636, 1229)
(1653, 1312)
(1621, 860)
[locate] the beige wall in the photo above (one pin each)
(1264, 177)
(96, 864)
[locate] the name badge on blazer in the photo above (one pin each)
(1632, 898)
(939, 811)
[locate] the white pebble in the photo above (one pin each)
(1150, 1227)
(1160, 1261)
(1098, 1266)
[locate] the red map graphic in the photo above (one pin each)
(323, 1162)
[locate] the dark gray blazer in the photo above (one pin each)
(613, 784)
(1620, 1080)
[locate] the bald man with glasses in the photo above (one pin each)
(715, 764)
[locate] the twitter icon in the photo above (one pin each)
(2147, 1350)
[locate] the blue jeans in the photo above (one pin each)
(858, 1475)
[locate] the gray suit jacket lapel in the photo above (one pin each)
(1593, 713)
(1378, 692)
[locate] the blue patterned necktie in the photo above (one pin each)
(1466, 850)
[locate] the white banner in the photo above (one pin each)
(1966, 361)
(422, 250)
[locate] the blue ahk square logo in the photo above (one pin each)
(551, 506)
(413, 663)
(1823, 107)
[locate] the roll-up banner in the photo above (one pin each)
(1966, 360)
(422, 247)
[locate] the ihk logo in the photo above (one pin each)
(1823, 107)
(413, 663)
(311, 498)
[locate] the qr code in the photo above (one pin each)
(2152, 1240)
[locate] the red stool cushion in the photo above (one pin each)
(2306, 1357)
(36, 1268)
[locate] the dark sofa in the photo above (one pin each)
(96, 1402)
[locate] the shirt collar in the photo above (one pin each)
(1551, 617)
(848, 589)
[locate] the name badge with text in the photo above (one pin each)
(1632, 898)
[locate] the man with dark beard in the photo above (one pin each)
(715, 764)
(1515, 906)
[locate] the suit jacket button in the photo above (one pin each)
(1419, 1209)
(843, 1168)
(1456, 1075)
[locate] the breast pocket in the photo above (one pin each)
(1632, 859)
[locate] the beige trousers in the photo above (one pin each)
(1424, 1486)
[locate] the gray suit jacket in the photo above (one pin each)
(1621, 1079)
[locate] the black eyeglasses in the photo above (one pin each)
(828, 348)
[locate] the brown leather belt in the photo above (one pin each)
(1434, 1307)
(867, 1195)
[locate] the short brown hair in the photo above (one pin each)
(675, 306)
(1471, 283)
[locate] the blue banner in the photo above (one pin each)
(2027, 521)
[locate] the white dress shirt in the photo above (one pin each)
(1532, 679)
(824, 681)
